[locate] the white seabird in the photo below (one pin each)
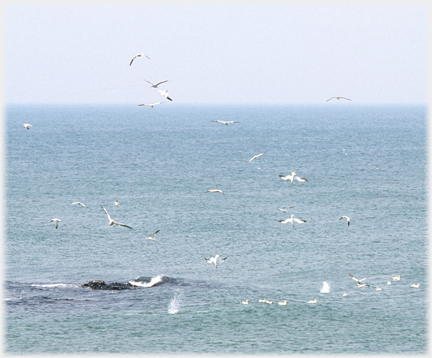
(215, 191)
(388, 283)
(338, 98)
(347, 218)
(165, 94)
(283, 303)
(396, 278)
(291, 220)
(112, 222)
(292, 177)
(360, 285)
(245, 302)
(379, 288)
(79, 203)
(256, 156)
(157, 84)
(151, 104)
(152, 237)
(214, 260)
(116, 203)
(138, 55)
(285, 210)
(415, 285)
(313, 301)
(56, 221)
(261, 300)
(226, 123)
(345, 294)
(358, 281)
(27, 126)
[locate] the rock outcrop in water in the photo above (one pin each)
(101, 285)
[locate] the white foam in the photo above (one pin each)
(154, 281)
(52, 285)
(325, 288)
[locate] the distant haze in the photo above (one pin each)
(218, 54)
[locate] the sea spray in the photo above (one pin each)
(325, 288)
(174, 305)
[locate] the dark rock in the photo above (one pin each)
(101, 285)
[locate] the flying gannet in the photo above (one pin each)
(157, 84)
(256, 156)
(338, 98)
(292, 177)
(214, 260)
(152, 237)
(150, 104)
(285, 210)
(291, 220)
(138, 55)
(347, 218)
(226, 123)
(56, 221)
(215, 191)
(358, 281)
(27, 126)
(165, 94)
(116, 203)
(112, 222)
(79, 203)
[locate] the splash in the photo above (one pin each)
(325, 288)
(174, 305)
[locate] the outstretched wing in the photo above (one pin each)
(106, 212)
(120, 224)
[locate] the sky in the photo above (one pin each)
(233, 53)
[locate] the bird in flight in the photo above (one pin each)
(56, 221)
(152, 237)
(215, 191)
(338, 98)
(157, 84)
(78, 203)
(291, 220)
(116, 203)
(138, 55)
(256, 156)
(358, 281)
(27, 126)
(285, 210)
(226, 123)
(151, 105)
(346, 217)
(292, 177)
(112, 222)
(165, 94)
(214, 260)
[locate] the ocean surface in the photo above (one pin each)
(366, 162)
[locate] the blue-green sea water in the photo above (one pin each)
(365, 162)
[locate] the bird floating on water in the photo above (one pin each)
(388, 283)
(116, 203)
(415, 285)
(152, 236)
(138, 55)
(338, 98)
(313, 301)
(347, 218)
(396, 278)
(292, 177)
(214, 260)
(78, 203)
(379, 288)
(27, 126)
(215, 191)
(226, 123)
(283, 303)
(256, 156)
(151, 104)
(291, 220)
(112, 222)
(245, 302)
(155, 85)
(56, 221)
(165, 94)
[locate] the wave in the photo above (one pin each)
(174, 305)
(153, 282)
(53, 285)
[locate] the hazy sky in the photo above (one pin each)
(242, 53)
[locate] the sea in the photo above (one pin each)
(367, 162)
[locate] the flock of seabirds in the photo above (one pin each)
(217, 258)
